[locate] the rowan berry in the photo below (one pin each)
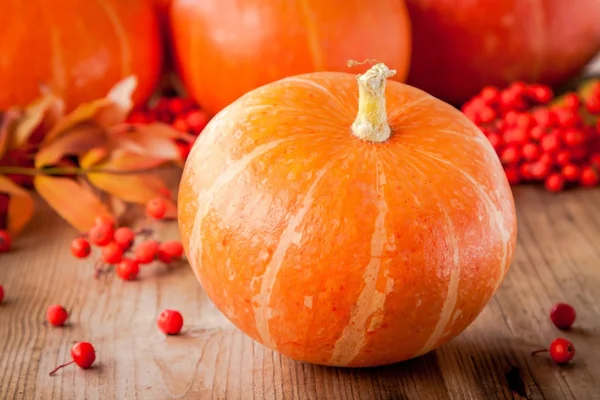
(128, 269)
(112, 253)
(531, 151)
(554, 182)
(56, 315)
(124, 237)
(101, 234)
(80, 248)
(170, 322)
(146, 251)
(588, 177)
(562, 315)
(82, 353)
(571, 172)
(156, 208)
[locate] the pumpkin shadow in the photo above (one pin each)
(428, 376)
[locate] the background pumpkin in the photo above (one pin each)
(78, 48)
(224, 48)
(340, 251)
(461, 46)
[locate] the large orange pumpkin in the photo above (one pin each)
(343, 226)
(461, 46)
(224, 48)
(80, 49)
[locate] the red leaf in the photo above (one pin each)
(44, 111)
(8, 121)
(74, 202)
(20, 205)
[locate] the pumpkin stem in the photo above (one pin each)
(371, 122)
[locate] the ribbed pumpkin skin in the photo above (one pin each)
(260, 41)
(80, 49)
(337, 251)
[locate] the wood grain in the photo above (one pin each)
(558, 259)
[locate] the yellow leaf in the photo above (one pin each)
(93, 157)
(138, 188)
(108, 111)
(77, 204)
(20, 205)
(76, 142)
(46, 110)
(8, 120)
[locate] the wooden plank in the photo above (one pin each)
(558, 259)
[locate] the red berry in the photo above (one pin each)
(128, 269)
(516, 135)
(550, 143)
(542, 94)
(101, 234)
(170, 322)
(112, 253)
(124, 237)
(592, 105)
(595, 160)
(571, 172)
(137, 117)
(537, 132)
(510, 155)
(531, 151)
(176, 105)
(487, 114)
(82, 353)
(554, 183)
(513, 175)
(496, 140)
(490, 94)
(562, 315)
(180, 125)
(573, 137)
(525, 121)
(567, 118)
(196, 121)
(5, 241)
(156, 208)
(146, 251)
(80, 248)
(56, 315)
(105, 220)
(539, 169)
(1, 293)
(511, 118)
(184, 149)
(544, 118)
(571, 101)
(562, 351)
(589, 177)
(170, 250)
(563, 157)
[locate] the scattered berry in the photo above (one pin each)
(82, 353)
(105, 220)
(80, 248)
(5, 241)
(128, 269)
(124, 237)
(561, 351)
(56, 315)
(170, 250)
(555, 183)
(112, 253)
(146, 251)
(170, 322)
(562, 315)
(101, 234)
(156, 208)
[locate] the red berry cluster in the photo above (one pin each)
(181, 113)
(538, 140)
(117, 245)
(561, 350)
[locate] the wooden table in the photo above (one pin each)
(558, 259)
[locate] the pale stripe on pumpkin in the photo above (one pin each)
(288, 237)
(206, 195)
(491, 209)
(370, 300)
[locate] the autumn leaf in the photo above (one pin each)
(106, 112)
(8, 120)
(74, 202)
(78, 142)
(45, 111)
(20, 205)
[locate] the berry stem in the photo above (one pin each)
(533, 353)
(74, 171)
(60, 366)
(371, 123)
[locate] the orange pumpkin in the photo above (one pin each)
(80, 49)
(260, 41)
(343, 223)
(462, 46)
